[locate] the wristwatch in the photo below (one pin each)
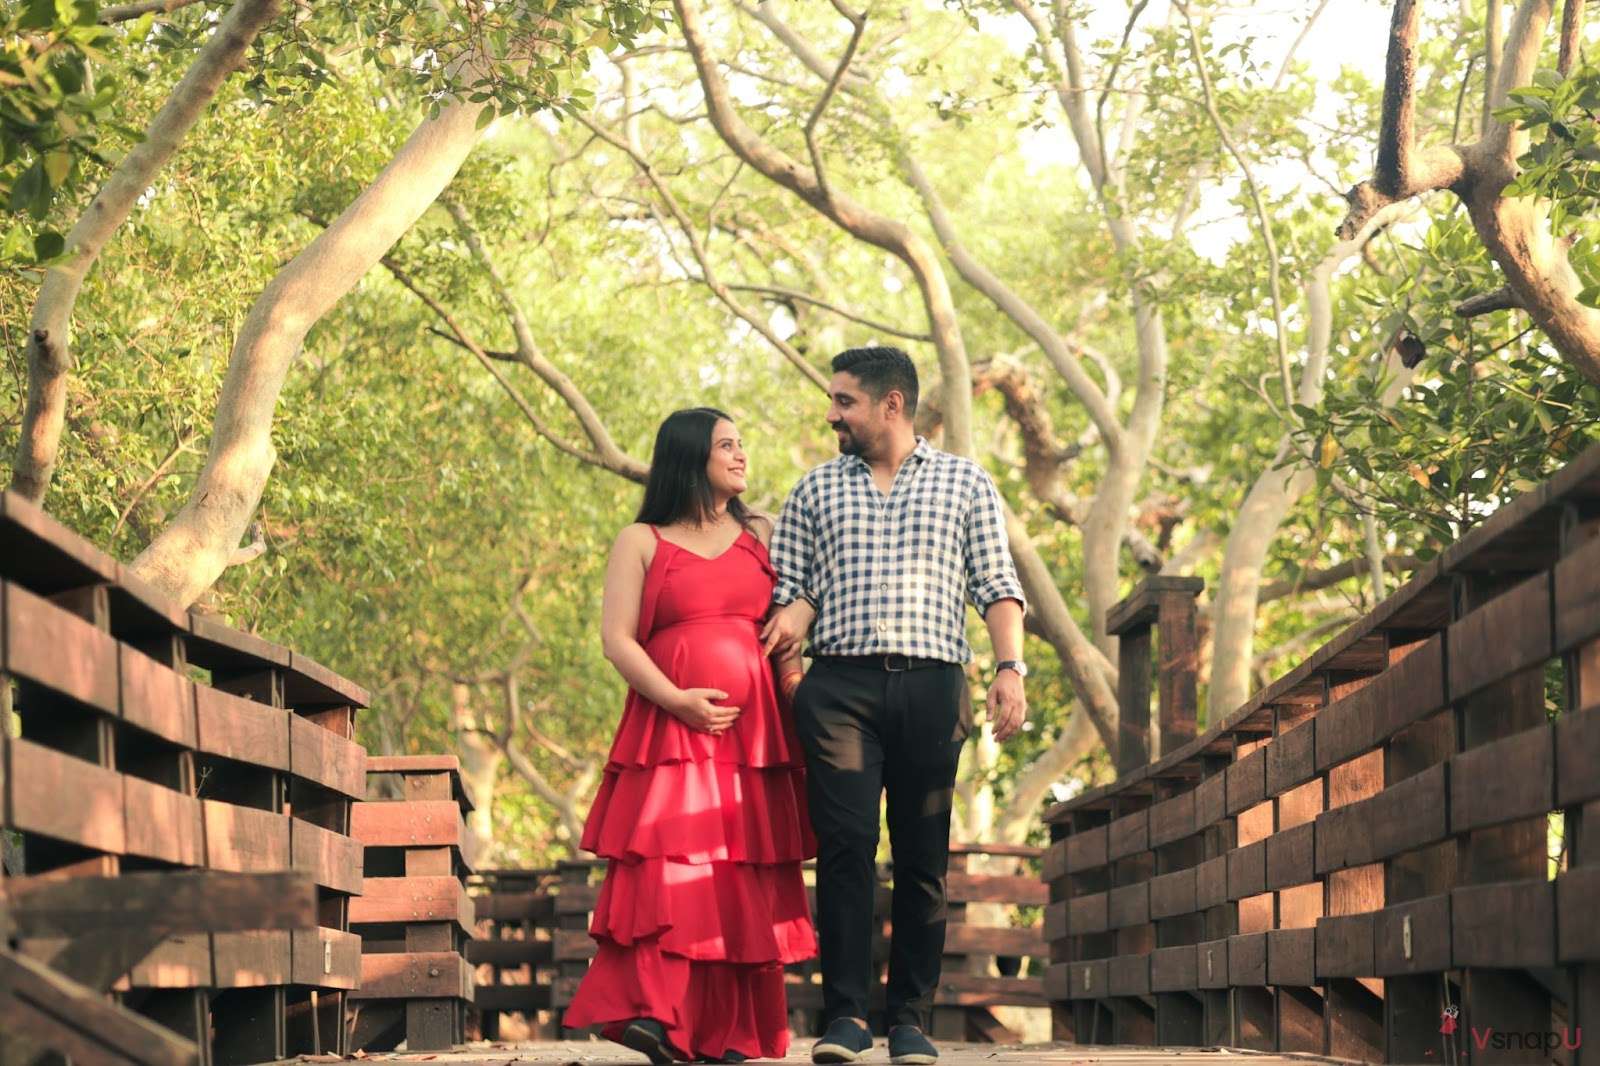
(1012, 664)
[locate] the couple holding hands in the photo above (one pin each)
(731, 765)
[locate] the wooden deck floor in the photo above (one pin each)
(593, 1053)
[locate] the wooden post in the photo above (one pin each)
(1165, 605)
(1580, 537)
(1505, 999)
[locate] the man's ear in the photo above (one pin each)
(894, 403)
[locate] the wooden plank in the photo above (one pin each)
(418, 899)
(1412, 937)
(1577, 747)
(156, 699)
(1055, 921)
(245, 839)
(307, 683)
(1247, 959)
(995, 888)
(1128, 905)
(509, 953)
(1053, 864)
(1088, 849)
(1291, 957)
(523, 998)
(1088, 914)
(1344, 946)
(415, 975)
(1211, 963)
(1576, 587)
(1408, 691)
(1508, 634)
(1174, 969)
(1291, 857)
(1576, 891)
(419, 823)
(162, 823)
(1129, 835)
(1210, 801)
(1128, 975)
(216, 645)
(323, 757)
(55, 557)
(241, 729)
(53, 648)
(1171, 820)
(64, 798)
(1504, 926)
(1291, 758)
(1133, 702)
(1247, 782)
(1088, 979)
(166, 902)
(1247, 870)
(569, 944)
(41, 1006)
(178, 962)
(963, 939)
(508, 906)
(1503, 780)
(1173, 894)
(325, 958)
(334, 860)
(1211, 882)
(251, 960)
(1404, 816)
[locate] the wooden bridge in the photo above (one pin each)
(1387, 855)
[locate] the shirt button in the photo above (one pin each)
(883, 587)
(883, 626)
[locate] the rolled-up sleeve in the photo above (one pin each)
(991, 575)
(794, 550)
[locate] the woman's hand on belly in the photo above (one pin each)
(694, 709)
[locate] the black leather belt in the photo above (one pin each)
(892, 663)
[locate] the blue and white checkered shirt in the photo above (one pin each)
(889, 575)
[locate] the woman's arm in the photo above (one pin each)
(786, 664)
(619, 616)
(630, 559)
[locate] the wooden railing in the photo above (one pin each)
(535, 946)
(415, 918)
(136, 738)
(1388, 854)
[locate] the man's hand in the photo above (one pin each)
(786, 628)
(1007, 703)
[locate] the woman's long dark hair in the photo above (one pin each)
(677, 489)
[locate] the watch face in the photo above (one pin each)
(1014, 664)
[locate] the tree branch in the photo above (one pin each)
(1501, 299)
(49, 349)
(1316, 580)
(1274, 278)
(855, 219)
(629, 468)
(613, 457)
(858, 25)
(1571, 35)
(842, 312)
(697, 247)
(128, 12)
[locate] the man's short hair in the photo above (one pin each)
(880, 369)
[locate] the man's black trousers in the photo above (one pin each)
(867, 730)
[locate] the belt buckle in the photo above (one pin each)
(889, 663)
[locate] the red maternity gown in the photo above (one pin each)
(702, 903)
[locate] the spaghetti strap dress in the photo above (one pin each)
(703, 903)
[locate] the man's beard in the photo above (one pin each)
(848, 445)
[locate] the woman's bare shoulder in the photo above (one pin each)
(761, 525)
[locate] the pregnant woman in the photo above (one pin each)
(702, 808)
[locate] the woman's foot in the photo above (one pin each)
(648, 1037)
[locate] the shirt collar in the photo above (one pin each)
(921, 453)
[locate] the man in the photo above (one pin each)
(880, 548)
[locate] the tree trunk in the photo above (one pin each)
(50, 330)
(189, 555)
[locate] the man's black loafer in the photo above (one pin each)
(844, 1041)
(907, 1044)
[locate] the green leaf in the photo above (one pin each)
(47, 245)
(30, 189)
(57, 165)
